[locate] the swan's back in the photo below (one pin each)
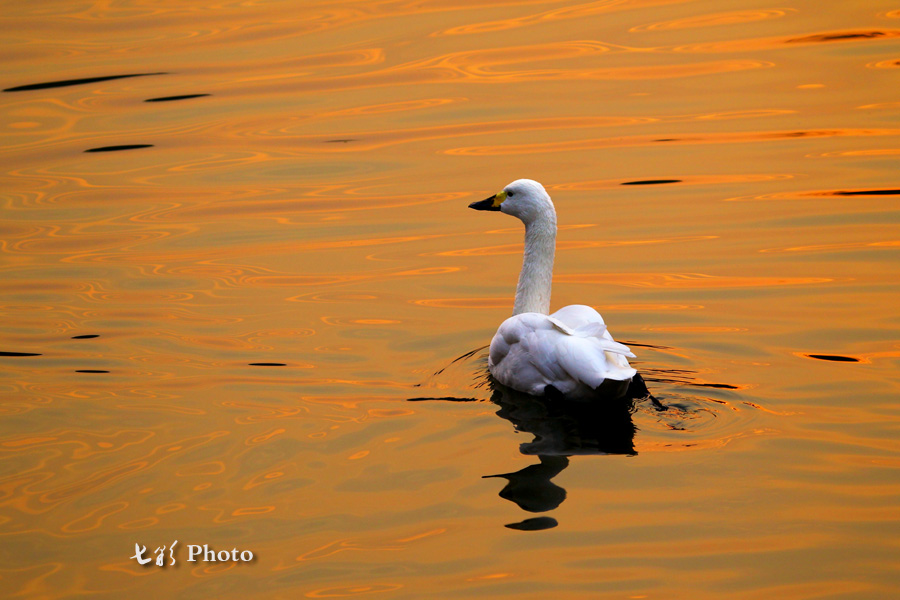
(570, 350)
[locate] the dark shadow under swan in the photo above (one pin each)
(560, 428)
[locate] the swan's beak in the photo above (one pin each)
(492, 203)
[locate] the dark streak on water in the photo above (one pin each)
(68, 82)
(86, 336)
(723, 386)
(268, 364)
(837, 37)
(833, 357)
(647, 346)
(448, 398)
(534, 524)
(340, 141)
(91, 371)
(173, 98)
(117, 148)
(18, 354)
(870, 193)
(651, 182)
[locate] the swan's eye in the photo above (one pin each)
(510, 194)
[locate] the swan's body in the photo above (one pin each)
(570, 351)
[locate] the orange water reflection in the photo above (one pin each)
(213, 336)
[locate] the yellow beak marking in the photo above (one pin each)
(499, 198)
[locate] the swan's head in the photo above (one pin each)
(523, 198)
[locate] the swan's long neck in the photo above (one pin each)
(535, 280)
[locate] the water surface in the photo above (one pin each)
(235, 245)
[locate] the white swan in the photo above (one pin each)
(570, 350)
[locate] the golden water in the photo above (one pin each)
(309, 209)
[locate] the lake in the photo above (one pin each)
(245, 305)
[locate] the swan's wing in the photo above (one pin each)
(582, 360)
(531, 351)
(596, 330)
(610, 345)
(576, 315)
(512, 332)
(560, 326)
(516, 351)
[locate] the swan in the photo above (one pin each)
(569, 353)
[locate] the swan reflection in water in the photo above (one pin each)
(561, 428)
